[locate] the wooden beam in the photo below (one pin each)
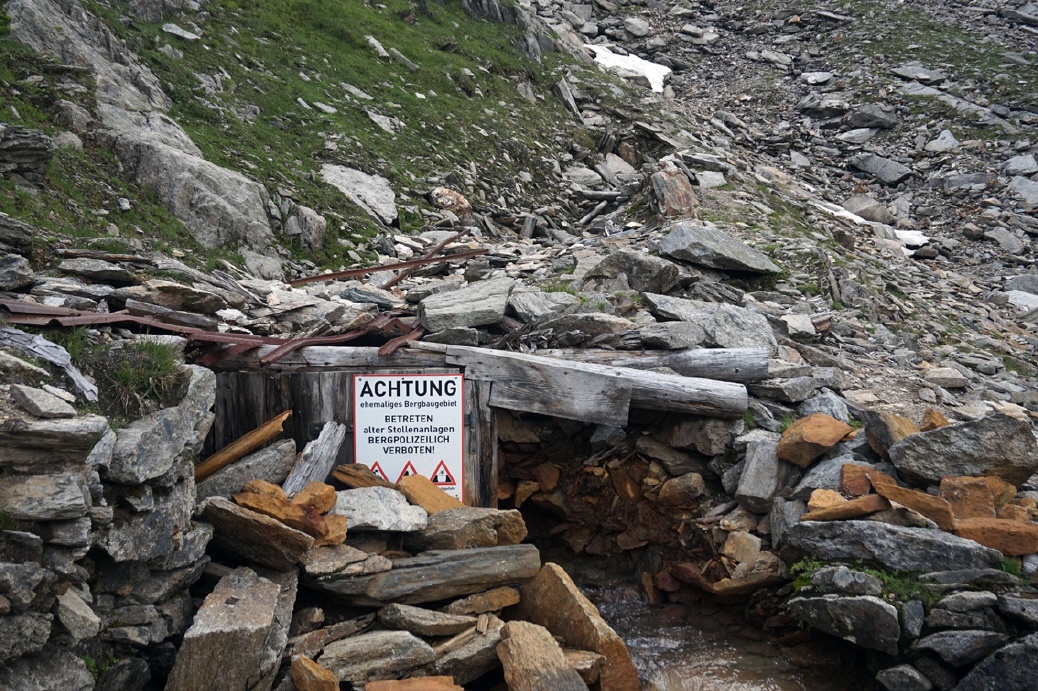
(317, 460)
(724, 364)
(332, 357)
(242, 446)
(480, 462)
(520, 373)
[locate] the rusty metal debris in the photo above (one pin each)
(353, 273)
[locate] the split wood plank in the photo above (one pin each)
(519, 373)
(317, 460)
(332, 357)
(480, 459)
(723, 364)
(242, 447)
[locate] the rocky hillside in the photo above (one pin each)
(833, 208)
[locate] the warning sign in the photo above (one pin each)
(377, 470)
(442, 477)
(408, 424)
(408, 470)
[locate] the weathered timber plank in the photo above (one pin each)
(724, 364)
(337, 357)
(437, 575)
(318, 459)
(480, 463)
(650, 390)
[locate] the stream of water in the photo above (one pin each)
(706, 647)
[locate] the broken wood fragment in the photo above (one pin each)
(241, 448)
(317, 460)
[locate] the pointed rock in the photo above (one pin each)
(810, 437)
(533, 661)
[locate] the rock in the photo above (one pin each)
(372, 193)
(1010, 668)
(672, 191)
(477, 304)
(810, 437)
(76, 616)
(589, 324)
(148, 447)
(40, 403)
(847, 509)
(307, 675)
(742, 547)
(552, 600)
(440, 683)
(840, 579)
(885, 170)
(379, 508)
(435, 576)
(271, 464)
(1021, 165)
(533, 661)
(533, 306)
(255, 536)
(826, 474)
(682, 490)
(493, 600)
(783, 515)
(588, 665)
(326, 530)
(377, 655)
(637, 26)
(329, 559)
(854, 479)
(420, 491)
(60, 670)
(936, 509)
(975, 497)
(644, 272)
(707, 245)
(869, 209)
(903, 678)
(469, 527)
(994, 445)
(308, 225)
(470, 654)
(959, 648)
(97, 271)
(866, 621)
(1022, 610)
(943, 143)
(15, 272)
(726, 326)
(871, 116)
(23, 634)
(914, 71)
(933, 419)
(947, 377)
(15, 234)
(894, 547)
(1007, 241)
(224, 647)
(672, 335)
(1007, 536)
(883, 430)
(789, 390)
(762, 476)
(44, 497)
(1027, 283)
(1026, 189)
(423, 622)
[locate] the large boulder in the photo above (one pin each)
(477, 304)
(707, 245)
(1008, 669)
(533, 660)
(644, 272)
(726, 326)
(379, 508)
(894, 547)
(864, 620)
(994, 445)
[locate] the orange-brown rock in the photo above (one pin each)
(327, 530)
(810, 437)
(357, 475)
(933, 419)
(824, 498)
(415, 684)
(625, 486)
(936, 509)
(1008, 537)
(849, 509)
(317, 496)
(553, 600)
(505, 490)
(493, 600)
(267, 489)
(307, 675)
(421, 491)
(883, 430)
(854, 479)
(524, 491)
(547, 475)
(976, 497)
(1014, 512)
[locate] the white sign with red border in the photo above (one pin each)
(411, 423)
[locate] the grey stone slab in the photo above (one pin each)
(423, 622)
(377, 655)
(44, 497)
(40, 403)
(477, 304)
(271, 464)
(866, 621)
(707, 245)
(379, 508)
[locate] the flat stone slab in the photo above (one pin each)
(44, 497)
(423, 622)
(477, 304)
(468, 527)
(271, 464)
(377, 655)
(864, 620)
(40, 403)
(370, 192)
(711, 247)
(895, 547)
(254, 536)
(887, 171)
(533, 661)
(726, 326)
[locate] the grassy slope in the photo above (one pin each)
(268, 55)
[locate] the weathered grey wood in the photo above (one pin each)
(318, 459)
(332, 357)
(480, 463)
(438, 575)
(650, 390)
(723, 364)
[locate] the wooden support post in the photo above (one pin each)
(480, 463)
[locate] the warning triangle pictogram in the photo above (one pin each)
(377, 470)
(441, 476)
(408, 470)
